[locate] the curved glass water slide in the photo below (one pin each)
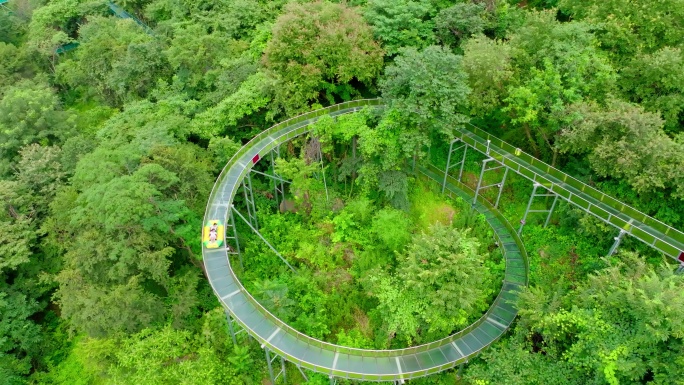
(650, 231)
(397, 365)
(339, 361)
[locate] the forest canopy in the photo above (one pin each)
(115, 120)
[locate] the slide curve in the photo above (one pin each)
(339, 361)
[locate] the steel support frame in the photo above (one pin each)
(616, 243)
(278, 188)
(256, 231)
(232, 325)
(306, 378)
(449, 166)
(269, 361)
(249, 201)
(680, 269)
(325, 184)
(529, 205)
(499, 185)
(234, 237)
(276, 178)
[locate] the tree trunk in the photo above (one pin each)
(354, 158)
(528, 133)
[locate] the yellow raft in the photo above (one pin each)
(212, 236)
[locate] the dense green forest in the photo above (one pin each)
(114, 128)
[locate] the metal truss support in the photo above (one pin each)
(278, 182)
(269, 361)
(276, 178)
(680, 269)
(529, 205)
(553, 206)
(264, 239)
(498, 185)
(616, 244)
(232, 325)
(449, 166)
(325, 185)
(306, 378)
(501, 186)
(249, 201)
(233, 237)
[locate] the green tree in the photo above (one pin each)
(20, 337)
(404, 23)
(626, 27)
(53, 26)
(125, 219)
(490, 71)
(165, 355)
(511, 362)
(231, 19)
(656, 83)
(116, 61)
(393, 228)
(40, 170)
(459, 22)
(623, 325)
(440, 285)
(446, 271)
(17, 221)
(30, 112)
(317, 49)
(429, 91)
(624, 141)
(196, 56)
(254, 94)
(14, 65)
(300, 172)
(24, 261)
(554, 65)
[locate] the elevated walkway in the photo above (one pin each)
(117, 10)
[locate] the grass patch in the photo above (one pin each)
(428, 206)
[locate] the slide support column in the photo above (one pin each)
(278, 188)
(479, 181)
(553, 206)
(449, 166)
(501, 186)
(616, 244)
(527, 210)
(249, 201)
(549, 193)
(269, 361)
(231, 327)
(320, 156)
(234, 238)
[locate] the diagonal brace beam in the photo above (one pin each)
(263, 239)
